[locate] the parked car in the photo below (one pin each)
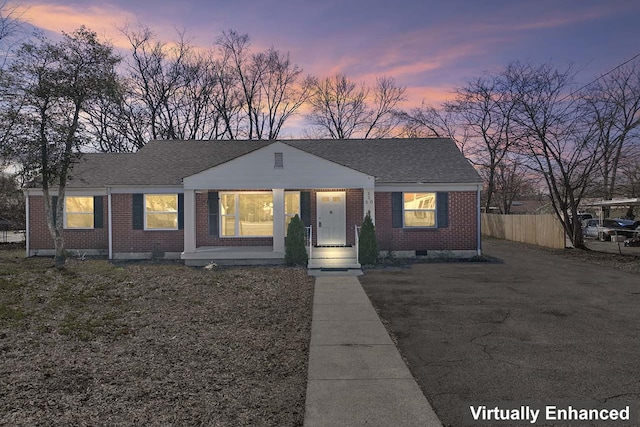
(590, 228)
(610, 227)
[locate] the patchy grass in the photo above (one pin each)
(144, 344)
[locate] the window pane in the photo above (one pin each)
(291, 203)
(255, 213)
(228, 225)
(419, 201)
(81, 220)
(161, 202)
(79, 204)
(228, 204)
(419, 219)
(162, 220)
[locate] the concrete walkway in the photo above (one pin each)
(356, 375)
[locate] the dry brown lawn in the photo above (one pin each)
(151, 344)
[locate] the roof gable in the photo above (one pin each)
(258, 169)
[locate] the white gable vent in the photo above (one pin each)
(278, 161)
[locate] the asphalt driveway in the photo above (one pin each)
(537, 327)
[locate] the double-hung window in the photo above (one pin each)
(78, 212)
(161, 211)
(250, 214)
(419, 209)
(246, 214)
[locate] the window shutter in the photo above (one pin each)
(212, 200)
(396, 210)
(54, 208)
(305, 208)
(442, 209)
(180, 211)
(137, 204)
(97, 212)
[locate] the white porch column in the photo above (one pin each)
(189, 221)
(278, 220)
(369, 203)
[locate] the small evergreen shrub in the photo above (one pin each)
(368, 245)
(295, 252)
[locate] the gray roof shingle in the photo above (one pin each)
(425, 160)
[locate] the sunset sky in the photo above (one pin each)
(428, 46)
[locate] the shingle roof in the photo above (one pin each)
(428, 160)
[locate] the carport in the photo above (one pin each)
(625, 203)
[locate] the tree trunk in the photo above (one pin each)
(60, 258)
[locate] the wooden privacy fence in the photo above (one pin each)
(541, 230)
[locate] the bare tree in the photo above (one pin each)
(52, 86)
(10, 29)
(614, 101)
(557, 135)
(281, 93)
(484, 108)
(512, 180)
(343, 109)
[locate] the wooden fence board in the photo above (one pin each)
(541, 230)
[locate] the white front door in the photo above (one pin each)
(332, 218)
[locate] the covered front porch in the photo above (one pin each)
(319, 257)
(242, 220)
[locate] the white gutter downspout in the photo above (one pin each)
(109, 222)
(479, 222)
(26, 231)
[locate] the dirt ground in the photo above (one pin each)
(146, 344)
(543, 326)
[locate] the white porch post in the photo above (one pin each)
(369, 203)
(189, 221)
(278, 220)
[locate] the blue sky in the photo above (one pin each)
(428, 46)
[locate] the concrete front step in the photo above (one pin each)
(333, 263)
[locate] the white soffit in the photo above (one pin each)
(256, 170)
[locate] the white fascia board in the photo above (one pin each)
(79, 192)
(255, 170)
(147, 189)
(408, 186)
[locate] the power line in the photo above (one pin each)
(602, 76)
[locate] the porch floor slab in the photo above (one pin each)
(233, 255)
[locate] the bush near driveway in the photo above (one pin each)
(144, 344)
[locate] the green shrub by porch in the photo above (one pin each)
(367, 245)
(295, 252)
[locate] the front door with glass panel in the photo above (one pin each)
(332, 218)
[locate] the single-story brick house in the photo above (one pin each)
(230, 201)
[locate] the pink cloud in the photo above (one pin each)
(101, 19)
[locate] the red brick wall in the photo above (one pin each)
(40, 238)
(461, 234)
(126, 239)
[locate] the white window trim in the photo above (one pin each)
(236, 195)
(144, 206)
(435, 211)
(286, 215)
(93, 213)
